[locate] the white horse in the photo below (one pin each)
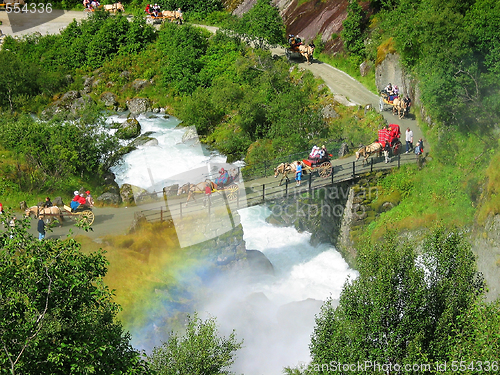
(49, 213)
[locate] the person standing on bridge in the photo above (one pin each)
(298, 173)
(208, 194)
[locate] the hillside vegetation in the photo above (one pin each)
(417, 302)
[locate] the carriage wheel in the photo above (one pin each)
(325, 169)
(87, 217)
(232, 192)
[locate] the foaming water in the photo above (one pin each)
(302, 270)
(149, 166)
(275, 314)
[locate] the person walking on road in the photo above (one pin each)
(387, 150)
(41, 228)
(409, 141)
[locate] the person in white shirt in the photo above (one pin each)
(409, 140)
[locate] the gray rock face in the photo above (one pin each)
(131, 193)
(391, 70)
(140, 84)
(69, 96)
(144, 140)
(109, 198)
(329, 112)
(109, 99)
(189, 135)
(364, 68)
(259, 263)
(138, 105)
(125, 75)
(129, 129)
(344, 150)
(80, 103)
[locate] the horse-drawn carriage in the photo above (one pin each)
(49, 214)
(390, 135)
(321, 165)
(225, 183)
(298, 49)
(398, 104)
(166, 15)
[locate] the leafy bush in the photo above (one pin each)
(200, 351)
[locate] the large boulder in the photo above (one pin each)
(190, 134)
(140, 84)
(128, 193)
(108, 99)
(144, 140)
(87, 84)
(109, 198)
(329, 112)
(344, 150)
(259, 263)
(80, 103)
(129, 129)
(138, 105)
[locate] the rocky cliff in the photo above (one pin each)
(309, 19)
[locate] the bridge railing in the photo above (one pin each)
(254, 193)
(266, 168)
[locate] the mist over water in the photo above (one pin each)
(273, 314)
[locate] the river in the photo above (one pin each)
(274, 315)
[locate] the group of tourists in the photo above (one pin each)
(153, 10)
(318, 154)
(419, 149)
(83, 200)
(295, 41)
(91, 4)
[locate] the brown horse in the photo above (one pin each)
(49, 213)
(172, 15)
(287, 168)
(307, 52)
(192, 189)
(114, 8)
(366, 151)
(399, 106)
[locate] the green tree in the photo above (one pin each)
(201, 351)
(18, 78)
(183, 48)
(262, 25)
(353, 29)
(56, 315)
(403, 306)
